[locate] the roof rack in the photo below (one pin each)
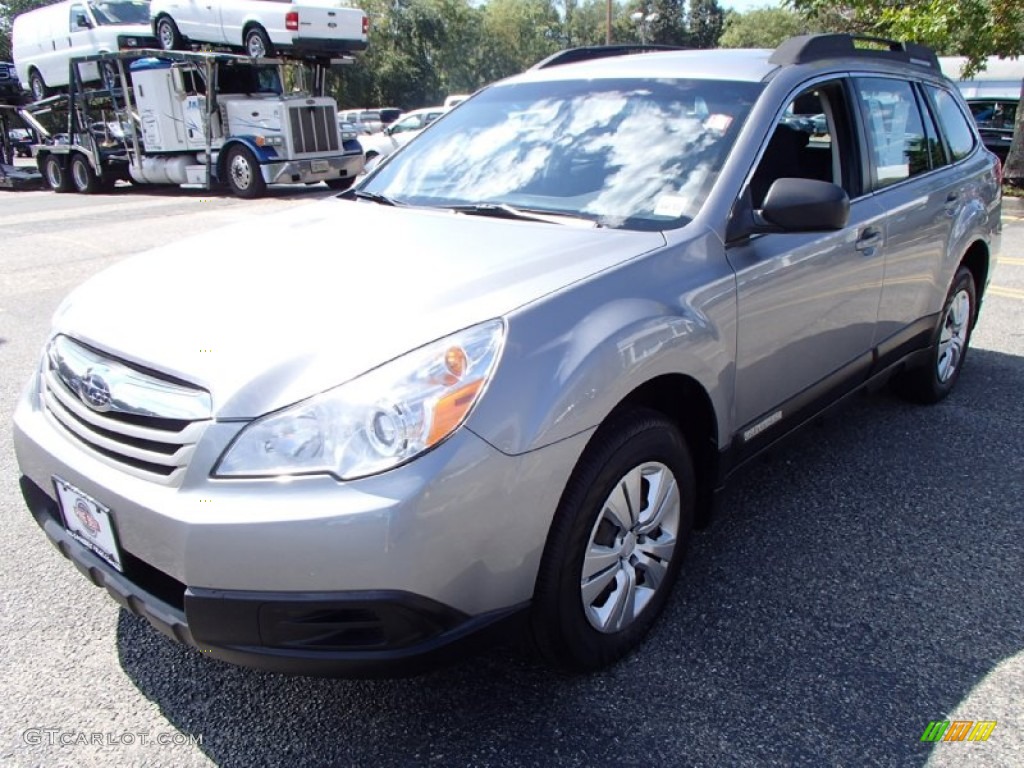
(590, 52)
(807, 48)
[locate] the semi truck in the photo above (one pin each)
(204, 119)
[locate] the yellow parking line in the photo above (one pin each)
(1008, 260)
(1007, 293)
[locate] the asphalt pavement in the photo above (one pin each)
(861, 581)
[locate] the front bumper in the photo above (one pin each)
(301, 171)
(310, 575)
(351, 634)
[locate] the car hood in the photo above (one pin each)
(267, 312)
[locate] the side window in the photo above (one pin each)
(79, 19)
(895, 131)
(812, 140)
(953, 123)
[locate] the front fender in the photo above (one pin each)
(570, 360)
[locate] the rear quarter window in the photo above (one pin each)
(954, 124)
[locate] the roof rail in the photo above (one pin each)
(806, 48)
(590, 52)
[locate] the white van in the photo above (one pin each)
(44, 40)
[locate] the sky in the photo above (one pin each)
(745, 5)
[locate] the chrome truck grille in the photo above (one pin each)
(146, 425)
(314, 129)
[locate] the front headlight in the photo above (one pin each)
(376, 421)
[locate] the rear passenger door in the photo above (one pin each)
(911, 176)
(808, 302)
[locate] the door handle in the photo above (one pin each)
(951, 200)
(868, 240)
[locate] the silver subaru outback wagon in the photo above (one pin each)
(609, 283)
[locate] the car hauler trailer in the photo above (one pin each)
(13, 176)
(203, 119)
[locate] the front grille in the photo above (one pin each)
(314, 129)
(147, 444)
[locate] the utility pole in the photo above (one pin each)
(608, 23)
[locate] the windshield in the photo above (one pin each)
(128, 12)
(636, 154)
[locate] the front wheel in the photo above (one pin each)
(936, 378)
(340, 185)
(244, 175)
(168, 35)
(616, 543)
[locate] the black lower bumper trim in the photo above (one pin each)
(383, 633)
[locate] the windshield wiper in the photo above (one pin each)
(373, 197)
(506, 211)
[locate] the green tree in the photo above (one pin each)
(972, 28)
(8, 10)
(705, 23)
(762, 28)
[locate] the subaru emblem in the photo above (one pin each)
(94, 391)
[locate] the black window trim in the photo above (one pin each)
(872, 178)
(972, 125)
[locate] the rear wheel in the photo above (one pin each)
(83, 176)
(243, 173)
(37, 85)
(55, 172)
(257, 43)
(616, 543)
(168, 35)
(933, 381)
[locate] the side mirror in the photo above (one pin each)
(806, 205)
(82, 21)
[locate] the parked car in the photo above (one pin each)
(993, 95)
(21, 140)
(369, 121)
(994, 106)
(596, 301)
(262, 28)
(10, 89)
(399, 133)
(44, 40)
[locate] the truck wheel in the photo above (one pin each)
(933, 381)
(55, 174)
(244, 175)
(616, 542)
(340, 185)
(83, 176)
(257, 43)
(168, 34)
(37, 85)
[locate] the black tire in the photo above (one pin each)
(257, 43)
(934, 380)
(243, 173)
(83, 177)
(54, 170)
(340, 185)
(565, 616)
(37, 86)
(168, 35)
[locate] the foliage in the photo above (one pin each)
(972, 28)
(8, 10)
(763, 28)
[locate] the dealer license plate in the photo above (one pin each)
(88, 521)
